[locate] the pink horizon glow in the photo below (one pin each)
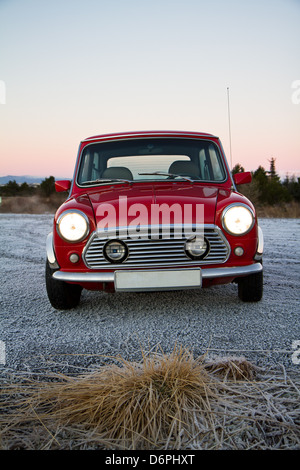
(59, 157)
(70, 70)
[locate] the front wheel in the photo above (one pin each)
(250, 288)
(62, 295)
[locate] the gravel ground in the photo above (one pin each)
(37, 338)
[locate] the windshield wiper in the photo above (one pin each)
(172, 175)
(105, 180)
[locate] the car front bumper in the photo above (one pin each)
(165, 279)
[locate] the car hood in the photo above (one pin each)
(123, 206)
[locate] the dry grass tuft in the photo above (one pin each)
(134, 403)
(290, 210)
(232, 368)
(163, 402)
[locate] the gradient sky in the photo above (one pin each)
(76, 68)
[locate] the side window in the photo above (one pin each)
(89, 169)
(215, 165)
(84, 168)
(95, 169)
(204, 172)
(210, 165)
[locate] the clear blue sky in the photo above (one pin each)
(75, 68)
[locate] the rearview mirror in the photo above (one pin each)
(62, 185)
(242, 178)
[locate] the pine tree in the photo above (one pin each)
(272, 172)
(237, 169)
(48, 186)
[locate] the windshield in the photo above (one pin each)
(155, 159)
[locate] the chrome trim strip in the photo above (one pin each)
(128, 135)
(50, 251)
(83, 277)
(209, 273)
(75, 171)
(260, 246)
(227, 164)
(236, 271)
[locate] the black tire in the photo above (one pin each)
(62, 296)
(250, 288)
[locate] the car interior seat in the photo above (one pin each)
(184, 168)
(118, 172)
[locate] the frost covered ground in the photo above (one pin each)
(35, 337)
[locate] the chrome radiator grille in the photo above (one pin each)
(157, 253)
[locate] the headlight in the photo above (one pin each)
(73, 226)
(237, 219)
(115, 251)
(196, 247)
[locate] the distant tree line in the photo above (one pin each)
(46, 188)
(267, 188)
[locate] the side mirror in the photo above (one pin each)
(242, 178)
(62, 185)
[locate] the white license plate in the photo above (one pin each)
(157, 280)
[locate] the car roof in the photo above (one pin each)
(139, 134)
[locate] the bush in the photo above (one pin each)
(266, 187)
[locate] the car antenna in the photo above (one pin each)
(229, 126)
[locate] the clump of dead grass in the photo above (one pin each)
(289, 210)
(235, 368)
(162, 402)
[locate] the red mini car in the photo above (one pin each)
(156, 210)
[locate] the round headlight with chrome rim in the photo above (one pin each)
(73, 226)
(115, 251)
(196, 247)
(238, 219)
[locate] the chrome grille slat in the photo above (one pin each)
(157, 252)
